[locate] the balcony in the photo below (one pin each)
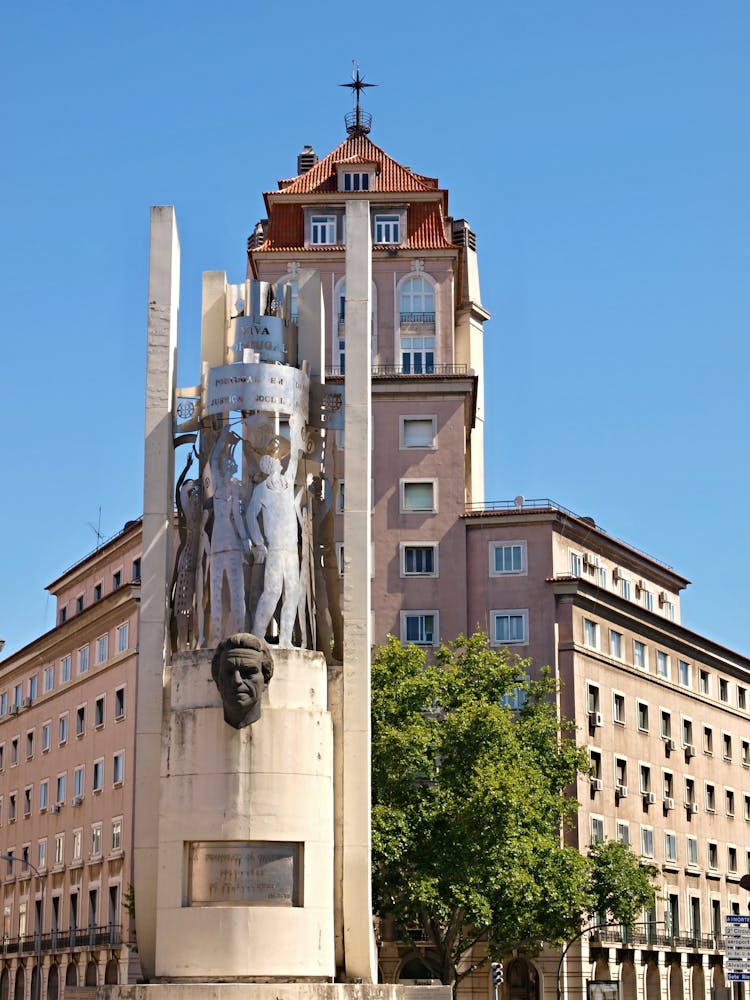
(109, 936)
(644, 935)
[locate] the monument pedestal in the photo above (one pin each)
(245, 869)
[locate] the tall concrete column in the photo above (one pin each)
(359, 942)
(156, 565)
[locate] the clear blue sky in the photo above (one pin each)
(600, 151)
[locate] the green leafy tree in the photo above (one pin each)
(471, 771)
(620, 884)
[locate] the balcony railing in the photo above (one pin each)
(382, 370)
(417, 317)
(81, 937)
(645, 935)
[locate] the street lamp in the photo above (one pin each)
(37, 930)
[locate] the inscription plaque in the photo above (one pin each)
(244, 873)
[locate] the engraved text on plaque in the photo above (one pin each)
(244, 873)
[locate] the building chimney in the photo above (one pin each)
(306, 160)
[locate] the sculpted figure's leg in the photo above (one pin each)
(291, 599)
(273, 583)
(236, 580)
(218, 573)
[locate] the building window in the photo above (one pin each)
(417, 432)
(63, 616)
(99, 712)
(417, 495)
(96, 840)
(509, 627)
(77, 847)
(723, 689)
(642, 716)
(590, 633)
(355, 181)
(98, 775)
(117, 834)
(710, 797)
(59, 848)
(683, 668)
(33, 686)
(118, 767)
(708, 740)
(692, 852)
(640, 654)
(417, 355)
(670, 846)
(615, 644)
(43, 794)
(729, 801)
(65, 669)
(713, 854)
(668, 783)
(732, 860)
(744, 750)
(120, 703)
(419, 560)
(602, 576)
(689, 792)
(648, 600)
(48, 681)
(662, 664)
(322, 229)
(665, 724)
(29, 744)
(80, 720)
(592, 699)
(618, 708)
(117, 580)
(18, 695)
(726, 745)
(420, 627)
(597, 829)
(27, 792)
(122, 638)
(79, 604)
(623, 832)
(78, 779)
(83, 659)
(41, 853)
(644, 779)
(12, 807)
(62, 729)
(746, 807)
(507, 558)
(687, 733)
(576, 563)
(102, 648)
(621, 776)
(625, 588)
(595, 764)
(417, 301)
(647, 842)
(60, 790)
(136, 571)
(669, 610)
(387, 229)
(98, 592)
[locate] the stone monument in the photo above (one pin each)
(252, 810)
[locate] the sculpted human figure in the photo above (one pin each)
(242, 668)
(327, 597)
(188, 589)
(228, 542)
(276, 545)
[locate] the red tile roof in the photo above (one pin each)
(425, 225)
(391, 176)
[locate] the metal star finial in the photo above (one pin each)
(357, 123)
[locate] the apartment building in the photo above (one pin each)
(663, 711)
(66, 782)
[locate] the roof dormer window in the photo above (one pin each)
(359, 181)
(356, 176)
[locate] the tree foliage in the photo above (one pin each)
(470, 796)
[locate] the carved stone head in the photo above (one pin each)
(242, 667)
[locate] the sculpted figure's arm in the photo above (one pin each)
(296, 446)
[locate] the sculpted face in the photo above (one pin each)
(241, 680)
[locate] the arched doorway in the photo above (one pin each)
(697, 983)
(718, 978)
(91, 973)
(71, 975)
(20, 988)
(523, 980)
(653, 982)
(111, 973)
(419, 967)
(676, 991)
(5, 985)
(601, 969)
(53, 982)
(628, 990)
(34, 978)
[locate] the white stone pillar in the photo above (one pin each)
(156, 564)
(359, 941)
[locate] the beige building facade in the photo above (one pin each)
(662, 710)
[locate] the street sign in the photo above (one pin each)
(737, 948)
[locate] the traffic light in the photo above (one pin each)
(497, 973)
